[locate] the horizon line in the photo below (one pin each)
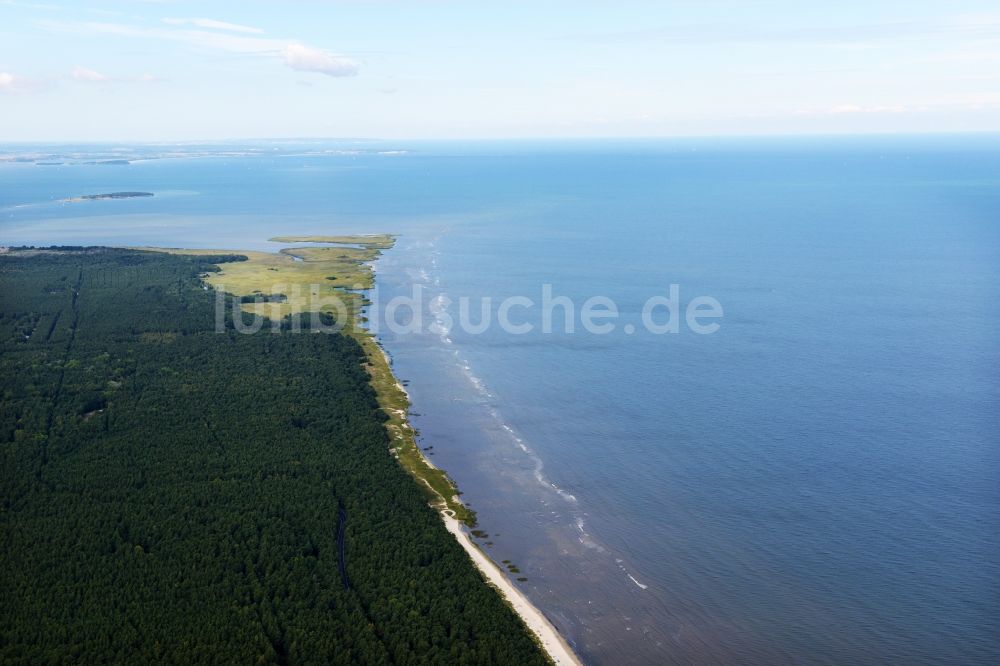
(482, 139)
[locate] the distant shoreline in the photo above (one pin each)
(108, 195)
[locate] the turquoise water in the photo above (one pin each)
(816, 482)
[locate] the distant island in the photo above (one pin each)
(110, 195)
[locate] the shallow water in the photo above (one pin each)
(816, 482)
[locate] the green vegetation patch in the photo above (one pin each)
(221, 498)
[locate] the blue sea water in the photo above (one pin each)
(816, 482)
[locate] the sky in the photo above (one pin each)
(163, 70)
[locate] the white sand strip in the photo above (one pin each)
(555, 645)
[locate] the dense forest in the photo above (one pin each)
(173, 494)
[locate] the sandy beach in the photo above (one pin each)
(555, 645)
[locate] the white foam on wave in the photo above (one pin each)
(437, 308)
(440, 326)
(476, 382)
(644, 587)
(539, 466)
(438, 305)
(436, 281)
(621, 566)
(585, 539)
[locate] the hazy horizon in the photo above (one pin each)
(135, 71)
(77, 142)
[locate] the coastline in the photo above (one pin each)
(255, 276)
(552, 642)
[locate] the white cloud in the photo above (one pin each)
(306, 59)
(295, 55)
(11, 84)
(89, 75)
(212, 24)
